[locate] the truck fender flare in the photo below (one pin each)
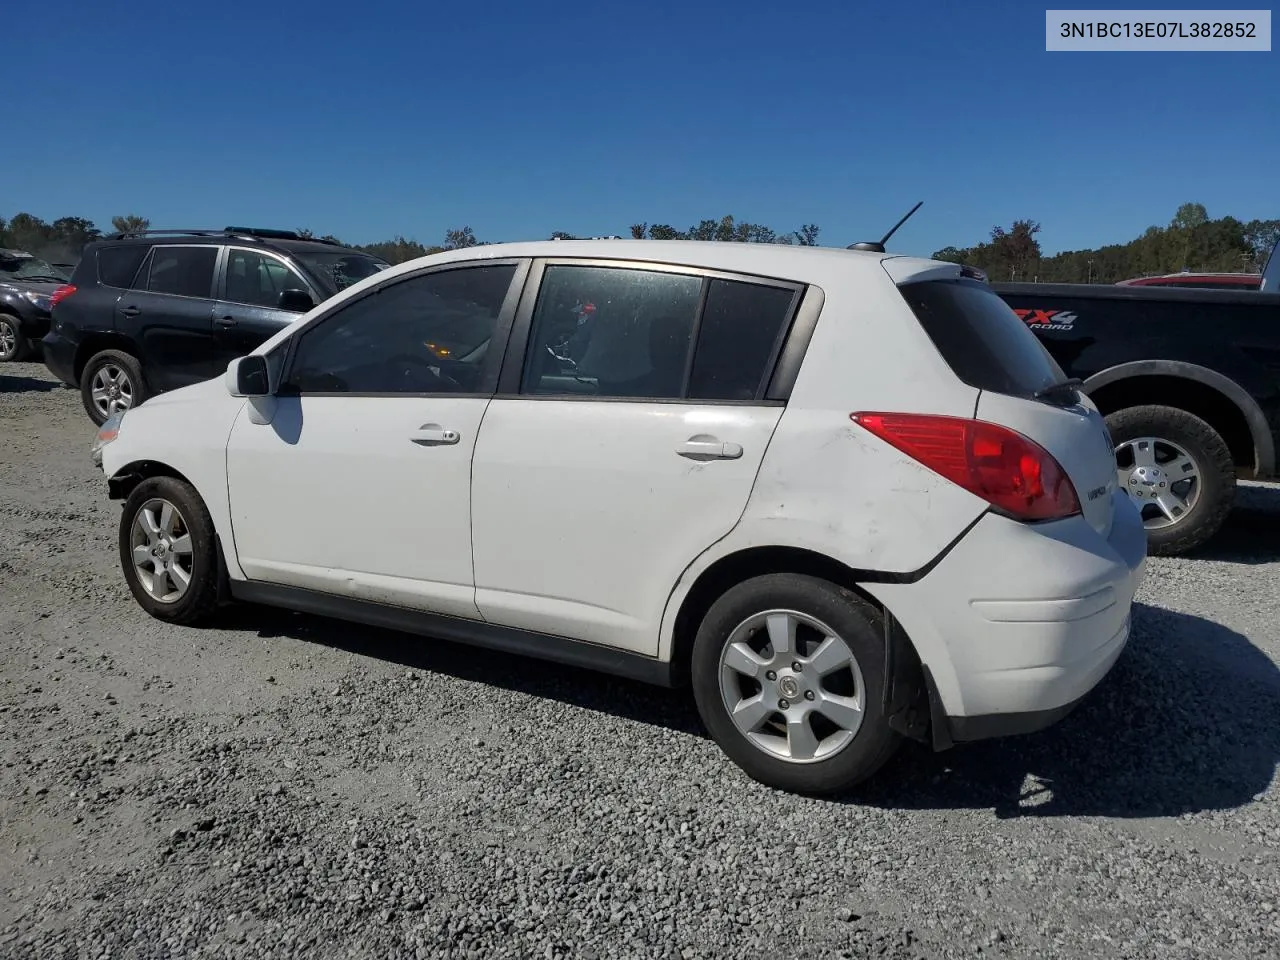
(1263, 444)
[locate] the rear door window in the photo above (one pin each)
(738, 339)
(182, 271)
(981, 338)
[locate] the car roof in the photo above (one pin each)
(761, 259)
(217, 238)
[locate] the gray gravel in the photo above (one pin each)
(283, 785)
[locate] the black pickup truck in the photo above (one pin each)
(1189, 382)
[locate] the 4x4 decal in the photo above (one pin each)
(1047, 319)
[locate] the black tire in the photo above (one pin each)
(14, 345)
(856, 622)
(1213, 458)
(201, 596)
(128, 366)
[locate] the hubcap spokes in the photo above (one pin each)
(8, 338)
(1161, 479)
(112, 390)
(792, 686)
(162, 554)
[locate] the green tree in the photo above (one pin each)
(639, 231)
(130, 224)
(807, 236)
(460, 239)
(30, 233)
(74, 233)
(663, 231)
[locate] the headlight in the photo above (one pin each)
(39, 300)
(109, 430)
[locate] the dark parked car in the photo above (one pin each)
(27, 284)
(1189, 382)
(156, 310)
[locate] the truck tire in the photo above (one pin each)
(14, 346)
(111, 381)
(1178, 470)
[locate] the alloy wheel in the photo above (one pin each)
(160, 542)
(1161, 478)
(792, 686)
(112, 390)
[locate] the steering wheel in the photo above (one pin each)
(409, 364)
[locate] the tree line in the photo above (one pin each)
(1190, 241)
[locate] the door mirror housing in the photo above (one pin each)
(298, 301)
(248, 377)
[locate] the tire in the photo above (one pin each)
(843, 760)
(152, 504)
(14, 345)
(118, 368)
(1176, 429)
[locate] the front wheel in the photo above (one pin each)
(14, 345)
(168, 550)
(787, 674)
(1177, 470)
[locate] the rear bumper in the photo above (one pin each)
(60, 358)
(1019, 622)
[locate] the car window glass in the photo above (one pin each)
(182, 271)
(117, 266)
(428, 334)
(258, 279)
(741, 326)
(611, 332)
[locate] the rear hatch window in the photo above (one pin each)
(981, 338)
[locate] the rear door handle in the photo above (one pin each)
(225, 321)
(433, 435)
(131, 311)
(709, 448)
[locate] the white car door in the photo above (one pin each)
(360, 483)
(616, 453)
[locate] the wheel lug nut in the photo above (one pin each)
(783, 704)
(796, 666)
(771, 675)
(808, 694)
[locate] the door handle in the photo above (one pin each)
(433, 435)
(709, 448)
(225, 321)
(131, 311)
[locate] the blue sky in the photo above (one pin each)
(375, 118)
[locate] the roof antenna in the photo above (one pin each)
(878, 246)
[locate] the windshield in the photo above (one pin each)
(341, 269)
(30, 268)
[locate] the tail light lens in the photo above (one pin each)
(1013, 473)
(60, 294)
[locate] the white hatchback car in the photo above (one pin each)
(845, 496)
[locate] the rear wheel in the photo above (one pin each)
(111, 383)
(787, 672)
(1177, 470)
(14, 345)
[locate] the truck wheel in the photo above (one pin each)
(1177, 470)
(787, 675)
(111, 382)
(13, 345)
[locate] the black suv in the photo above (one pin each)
(26, 291)
(156, 310)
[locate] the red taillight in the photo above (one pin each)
(60, 294)
(1011, 472)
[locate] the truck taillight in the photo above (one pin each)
(1013, 473)
(60, 294)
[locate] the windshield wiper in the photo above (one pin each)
(1063, 390)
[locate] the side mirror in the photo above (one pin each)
(247, 377)
(298, 301)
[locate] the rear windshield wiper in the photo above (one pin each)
(1063, 390)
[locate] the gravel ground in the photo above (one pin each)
(283, 785)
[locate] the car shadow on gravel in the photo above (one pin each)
(1187, 721)
(16, 384)
(1251, 533)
